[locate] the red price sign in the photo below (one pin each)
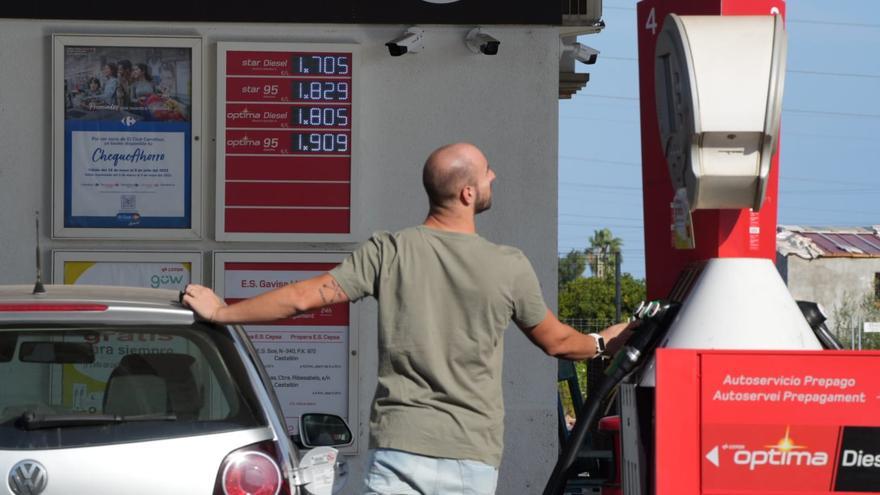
(287, 123)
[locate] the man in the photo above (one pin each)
(445, 297)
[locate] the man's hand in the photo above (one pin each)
(617, 335)
(203, 301)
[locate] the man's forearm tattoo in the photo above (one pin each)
(330, 292)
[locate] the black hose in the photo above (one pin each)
(586, 416)
(642, 342)
(815, 316)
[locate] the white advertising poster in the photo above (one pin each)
(126, 131)
(112, 171)
(310, 358)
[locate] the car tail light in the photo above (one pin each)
(252, 470)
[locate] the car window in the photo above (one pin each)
(65, 386)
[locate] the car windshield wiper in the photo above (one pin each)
(32, 421)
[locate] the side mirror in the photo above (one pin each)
(323, 430)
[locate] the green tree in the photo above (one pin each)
(603, 245)
(571, 266)
(593, 297)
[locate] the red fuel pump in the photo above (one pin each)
(743, 395)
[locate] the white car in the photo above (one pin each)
(108, 390)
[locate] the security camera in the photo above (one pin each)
(583, 53)
(411, 41)
(481, 42)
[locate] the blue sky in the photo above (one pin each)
(830, 158)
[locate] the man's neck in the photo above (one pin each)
(449, 222)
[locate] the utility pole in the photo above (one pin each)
(617, 301)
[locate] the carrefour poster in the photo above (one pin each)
(128, 115)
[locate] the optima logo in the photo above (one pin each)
(785, 452)
(243, 114)
(773, 457)
(243, 141)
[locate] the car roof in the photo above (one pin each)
(84, 303)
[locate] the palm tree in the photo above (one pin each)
(602, 245)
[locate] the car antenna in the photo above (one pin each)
(38, 287)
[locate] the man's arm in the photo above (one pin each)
(283, 302)
(562, 341)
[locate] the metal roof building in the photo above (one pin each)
(838, 267)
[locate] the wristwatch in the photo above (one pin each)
(600, 344)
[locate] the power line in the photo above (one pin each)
(621, 121)
(599, 160)
(827, 181)
(833, 114)
(841, 74)
(833, 191)
(831, 136)
(598, 216)
(599, 186)
(610, 97)
(622, 227)
(833, 23)
(785, 132)
(787, 20)
(784, 110)
(826, 210)
(787, 71)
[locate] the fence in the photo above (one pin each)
(858, 334)
(588, 325)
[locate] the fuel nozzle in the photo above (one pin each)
(654, 318)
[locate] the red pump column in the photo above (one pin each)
(717, 233)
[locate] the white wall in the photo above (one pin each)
(409, 105)
(830, 281)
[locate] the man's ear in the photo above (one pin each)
(468, 195)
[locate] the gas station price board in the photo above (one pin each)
(763, 422)
(285, 116)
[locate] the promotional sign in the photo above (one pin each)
(82, 386)
(149, 269)
(286, 117)
(126, 123)
(768, 422)
(310, 357)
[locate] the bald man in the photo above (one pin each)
(445, 297)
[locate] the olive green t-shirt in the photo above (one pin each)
(445, 299)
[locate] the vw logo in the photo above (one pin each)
(28, 478)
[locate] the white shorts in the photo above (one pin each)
(394, 472)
